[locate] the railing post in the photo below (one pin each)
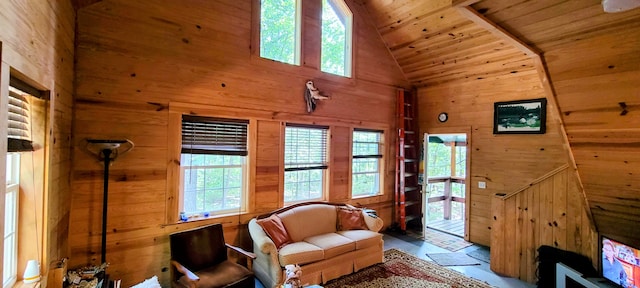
(497, 257)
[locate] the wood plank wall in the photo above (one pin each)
(550, 212)
(504, 162)
(139, 60)
(37, 40)
(593, 59)
(600, 96)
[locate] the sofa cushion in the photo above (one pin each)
(300, 253)
(363, 238)
(309, 220)
(350, 219)
(274, 228)
(332, 244)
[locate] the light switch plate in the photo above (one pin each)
(482, 185)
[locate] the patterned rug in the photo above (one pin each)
(446, 241)
(404, 270)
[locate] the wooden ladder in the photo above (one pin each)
(408, 196)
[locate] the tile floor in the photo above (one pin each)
(481, 272)
(420, 249)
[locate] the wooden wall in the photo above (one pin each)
(37, 40)
(599, 96)
(549, 212)
(593, 59)
(505, 162)
(138, 62)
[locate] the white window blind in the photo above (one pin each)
(305, 147)
(366, 143)
(19, 122)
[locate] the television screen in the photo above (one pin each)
(620, 263)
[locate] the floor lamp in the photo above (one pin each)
(107, 151)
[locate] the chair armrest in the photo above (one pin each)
(241, 251)
(191, 277)
(250, 256)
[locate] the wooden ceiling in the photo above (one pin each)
(434, 43)
(593, 60)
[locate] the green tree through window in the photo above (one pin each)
(336, 37)
(365, 166)
(279, 30)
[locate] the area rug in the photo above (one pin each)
(482, 254)
(446, 241)
(404, 270)
(452, 259)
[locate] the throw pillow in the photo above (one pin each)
(275, 230)
(350, 219)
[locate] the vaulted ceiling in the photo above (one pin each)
(593, 61)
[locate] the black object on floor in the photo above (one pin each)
(547, 258)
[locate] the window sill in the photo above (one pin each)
(365, 196)
(217, 218)
(21, 284)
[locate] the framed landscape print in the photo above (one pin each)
(520, 117)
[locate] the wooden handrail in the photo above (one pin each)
(534, 182)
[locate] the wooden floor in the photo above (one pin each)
(453, 227)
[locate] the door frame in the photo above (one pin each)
(467, 187)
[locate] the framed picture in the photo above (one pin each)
(520, 117)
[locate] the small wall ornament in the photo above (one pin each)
(311, 94)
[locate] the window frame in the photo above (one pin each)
(324, 166)
(344, 13)
(380, 157)
(298, 31)
(176, 110)
(13, 187)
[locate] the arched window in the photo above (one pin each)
(337, 23)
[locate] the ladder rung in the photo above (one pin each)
(409, 189)
(411, 217)
(411, 203)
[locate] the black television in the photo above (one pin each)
(620, 263)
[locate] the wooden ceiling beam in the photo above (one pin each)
(482, 21)
(543, 72)
(464, 3)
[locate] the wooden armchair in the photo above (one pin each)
(199, 260)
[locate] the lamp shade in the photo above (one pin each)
(32, 272)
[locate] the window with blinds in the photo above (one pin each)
(213, 165)
(305, 162)
(19, 130)
(366, 163)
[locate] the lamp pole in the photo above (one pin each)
(105, 197)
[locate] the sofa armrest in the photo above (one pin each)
(261, 239)
(374, 223)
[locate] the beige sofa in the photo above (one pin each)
(322, 251)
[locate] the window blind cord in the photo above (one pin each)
(33, 182)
